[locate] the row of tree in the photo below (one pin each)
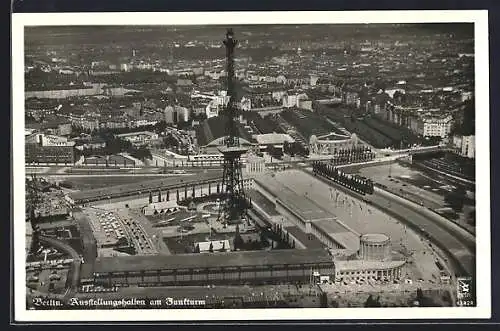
(421, 300)
(356, 183)
(353, 155)
(456, 198)
(159, 127)
(114, 145)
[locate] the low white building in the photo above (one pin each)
(274, 139)
(163, 207)
(217, 246)
(139, 138)
(46, 140)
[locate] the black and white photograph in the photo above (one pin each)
(271, 165)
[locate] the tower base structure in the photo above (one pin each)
(234, 204)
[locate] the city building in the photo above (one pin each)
(137, 123)
(218, 102)
(272, 139)
(54, 126)
(465, 145)
(245, 104)
(94, 142)
(313, 80)
(229, 268)
(431, 126)
(184, 82)
(182, 114)
(162, 207)
(278, 95)
(169, 114)
(211, 135)
(351, 270)
(351, 98)
(375, 246)
(139, 138)
(45, 148)
(28, 236)
(332, 143)
(255, 164)
(214, 246)
(299, 100)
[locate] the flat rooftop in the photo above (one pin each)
(211, 260)
(330, 226)
(349, 240)
(311, 242)
(146, 186)
(339, 233)
(355, 265)
(300, 204)
(56, 224)
(375, 237)
(273, 138)
(268, 206)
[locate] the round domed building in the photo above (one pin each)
(375, 247)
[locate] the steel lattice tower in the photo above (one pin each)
(234, 203)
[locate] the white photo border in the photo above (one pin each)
(483, 245)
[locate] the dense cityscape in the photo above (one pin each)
(317, 166)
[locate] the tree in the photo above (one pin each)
(141, 153)
(238, 241)
(423, 300)
(420, 294)
(471, 218)
(323, 299)
(160, 126)
(371, 302)
(456, 198)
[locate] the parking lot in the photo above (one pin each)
(105, 226)
(141, 240)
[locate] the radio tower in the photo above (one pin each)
(234, 204)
